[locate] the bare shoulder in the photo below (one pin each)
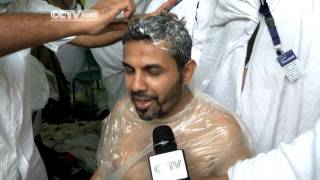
(111, 122)
(121, 105)
(227, 120)
(219, 115)
(236, 144)
(229, 138)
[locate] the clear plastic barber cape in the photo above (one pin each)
(209, 135)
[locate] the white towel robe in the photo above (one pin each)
(19, 156)
(272, 109)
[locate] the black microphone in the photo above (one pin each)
(169, 162)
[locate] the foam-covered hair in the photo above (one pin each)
(163, 27)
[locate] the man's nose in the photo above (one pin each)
(139, 83)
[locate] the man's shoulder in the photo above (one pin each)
(122, 104)
(124, 107)
(209, 103)
(215, 111)
(122, 110)
(225, 122)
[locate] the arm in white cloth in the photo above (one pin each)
(298, 160)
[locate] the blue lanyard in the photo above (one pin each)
(265, 11)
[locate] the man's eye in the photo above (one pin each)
(128, 70)
(155, 71)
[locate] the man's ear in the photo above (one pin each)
(188, 71)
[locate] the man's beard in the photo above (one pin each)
(156, 109)
(151, 112)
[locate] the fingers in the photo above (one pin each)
(130, 9)
(114, 7)
(128, 6)
(107, 11)
(165, 7)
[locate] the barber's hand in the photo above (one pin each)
(165, 7)
(113, 7)
(106, 11)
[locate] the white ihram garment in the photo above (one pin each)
(20, 158)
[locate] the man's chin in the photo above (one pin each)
(144, 115)
(146, 118)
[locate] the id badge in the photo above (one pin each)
(291, 65)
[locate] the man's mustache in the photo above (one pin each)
(142, 95)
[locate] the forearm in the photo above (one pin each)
(20, 31)
(92, 41)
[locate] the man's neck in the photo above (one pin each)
(186, 98)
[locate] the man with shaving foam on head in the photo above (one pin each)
(158, 69)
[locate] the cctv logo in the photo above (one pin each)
(73, 15)
(156, 168)
(168, 166)
(174, 164)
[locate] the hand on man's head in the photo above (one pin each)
(165, 7)
(114, 7)
(106, 11)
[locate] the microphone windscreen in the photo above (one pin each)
(163, 140)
